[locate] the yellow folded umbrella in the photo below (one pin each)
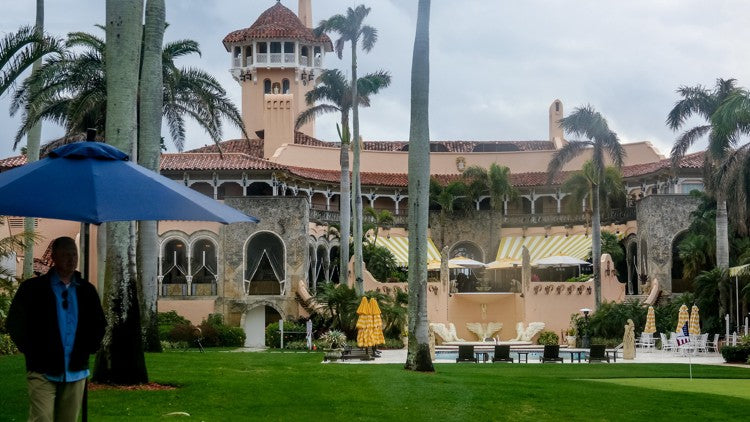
(650, 327)
(695, 322)
(377, 323)
(682, 318)
(364, 323)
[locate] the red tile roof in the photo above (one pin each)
(277, 22)
(251, 147)
(214, 161)
(10, 162)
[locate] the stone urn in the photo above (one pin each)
(571, 340)
(332, 355)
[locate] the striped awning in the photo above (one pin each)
(399, 247)
(577, 246)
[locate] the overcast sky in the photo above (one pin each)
(496, 66)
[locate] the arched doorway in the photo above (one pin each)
(255, 321)
(265, 259)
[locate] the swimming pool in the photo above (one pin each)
(450, 356)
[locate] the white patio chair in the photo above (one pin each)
(666, 346)
(646, 342)
(713, 346)
(702, 343)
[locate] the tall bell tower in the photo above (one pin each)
(276, 61)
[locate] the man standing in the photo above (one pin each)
(56, 320)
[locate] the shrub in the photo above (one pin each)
(736, 354)
(609, 342)
(393, 343)
(174, 345)
(296, 345)
(548, 338)
(380, 262)
(7, 347)
(182, 333)
(273, 337)
(215, 334)
(167, 322)
(610, 319)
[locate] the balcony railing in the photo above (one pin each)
(331, 216)
(262, 57)
(289, 57)
(303, 60)
(275, 58)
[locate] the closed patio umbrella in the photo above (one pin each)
(682, 318)
(694, 328)
(377, 323)
(364, 324)
(650, 327)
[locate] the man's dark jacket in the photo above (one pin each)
(32, 324)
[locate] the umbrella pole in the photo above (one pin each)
(86, 250)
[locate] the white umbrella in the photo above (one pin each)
(464, 262)
(503, 263)
(558, 261)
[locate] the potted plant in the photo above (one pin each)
(570, 337)
(333, 342)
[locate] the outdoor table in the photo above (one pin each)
(613, 355)
(524, 353)
(482, 355)
(577, 352)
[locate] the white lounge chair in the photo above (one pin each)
(646, 342)
(666, 346)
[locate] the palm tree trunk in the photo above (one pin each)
(722, 234)
(596, 247)
(149, 136)
(33, 139)
(345, 208)
(356, 183)
(121, 359)
(418, 357)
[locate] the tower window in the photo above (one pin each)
(557, 106)
(262, 47)
(276, 88)
(267, 86)
(285, 86)
(288, 47)
(275, 47)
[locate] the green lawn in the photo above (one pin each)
(221, 386)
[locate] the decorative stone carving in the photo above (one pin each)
(446, 334)
(483, 331)
(528, 333)
(628, 341)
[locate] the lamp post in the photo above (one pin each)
(585, 342)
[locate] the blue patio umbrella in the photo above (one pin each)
(92, 182)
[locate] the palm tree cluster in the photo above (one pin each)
(351, 29)
(71, 91)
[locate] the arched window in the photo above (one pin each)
(467, 250)
(259, 189)
(265, 260)
(285, 86)
(174, 268)
(322, 265)
(312, 267)
(266, 86)
(276, 88)
(203, 264)
(557, 106)
(333, 264)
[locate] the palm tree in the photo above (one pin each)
(150, 104)
(580, 186)
(73, 92)
(21, 49)
(120, 359)
(603, 143)
(495, 183)
(382, 218)
(449, 198)
(351, 29)
(703, 102)
(418, 355)
(336, 91)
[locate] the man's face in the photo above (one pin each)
(65, 258)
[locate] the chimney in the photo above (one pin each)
(278, 122)
(305, 13)
(555, 131)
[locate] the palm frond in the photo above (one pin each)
(685, 141)
(562, 156)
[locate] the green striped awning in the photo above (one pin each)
(540, 246)
(399, 247)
